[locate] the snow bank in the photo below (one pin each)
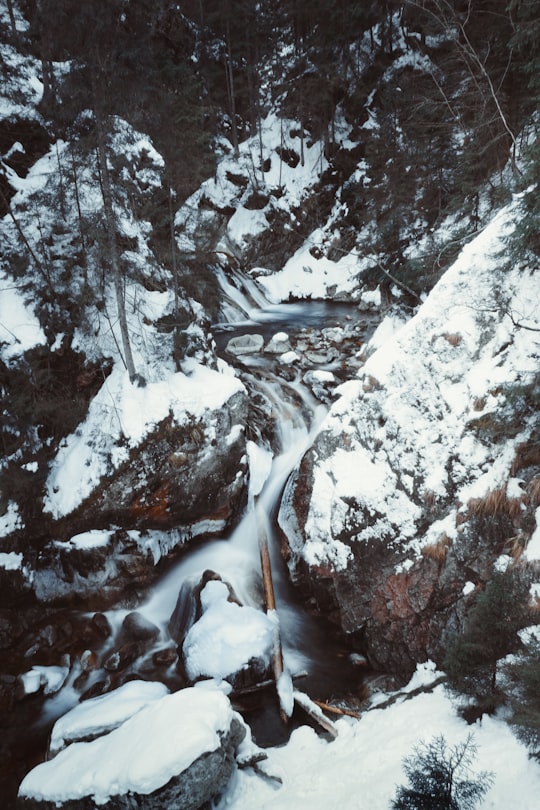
(363, 766)
(304, 276)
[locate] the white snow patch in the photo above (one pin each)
(363, 765)
(532, 551)
(19, 328)
(102, 714)
(11, 561)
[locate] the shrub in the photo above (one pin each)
(441, 777)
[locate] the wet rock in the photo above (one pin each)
(101, 625)
(13, 625)
(8, 692)
(321, 383)
(136, 627)
(165, 657)
(123, 657)
(99, 687)
(89, 661)
(321, 358)
(245, 344)
(278, 344)
(193, 787)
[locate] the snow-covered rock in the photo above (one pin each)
(229, 641)
(177, 751)
(388, 515)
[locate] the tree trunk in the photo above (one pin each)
(106, 192)
(12, 17)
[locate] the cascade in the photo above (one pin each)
(309, 646)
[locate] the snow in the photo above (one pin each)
(416, 400)
(95, 538)
(304, 276)
(51, 678)
(102, 714)
(158, 742)
(422, 379)
(10, 520)
(19, 328)
(119, 417)
(532, 552)
(363, 765)
(226, 636)
(10, 561)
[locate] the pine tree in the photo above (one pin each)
(441, 778)
(490, 633)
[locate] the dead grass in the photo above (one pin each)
(430, 499)
(518, 544)
(479, 404)
(437, 551)
(527, 455)
(495, 503)
(533, 492)
(371, 384)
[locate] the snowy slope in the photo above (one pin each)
(402, 434)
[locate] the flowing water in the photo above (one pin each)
(310, 647)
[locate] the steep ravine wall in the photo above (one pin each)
(426, 469)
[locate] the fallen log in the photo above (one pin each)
(312, 710)
(336, 709)
(280, 676)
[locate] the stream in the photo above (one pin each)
(314, 656)
(310, 646)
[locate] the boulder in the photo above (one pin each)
(178, 751)
(278, 344)
(245, 344)
(137, 627)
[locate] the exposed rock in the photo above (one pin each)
(278, 344)
(138, 628)
(101, 624)
(165, 657)
(245, 344)
(181, 476)
(122, 658)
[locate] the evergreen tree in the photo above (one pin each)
(441, 778)
(523, 673)
(490, 633)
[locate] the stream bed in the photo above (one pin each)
(314, 656)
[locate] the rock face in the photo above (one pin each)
(187, 478)
(424, 472)
(181, 475)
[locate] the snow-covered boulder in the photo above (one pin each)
(229, 641)
(177, 751)
(419, 477)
